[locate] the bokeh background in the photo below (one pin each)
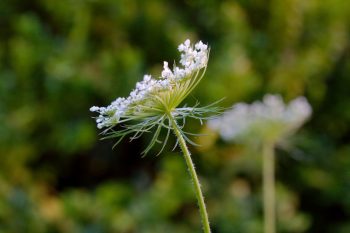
(58, 58)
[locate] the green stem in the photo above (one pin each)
(269, 188)
(191, 169)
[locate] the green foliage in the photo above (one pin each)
(58, 58)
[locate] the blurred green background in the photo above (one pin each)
(58, 58)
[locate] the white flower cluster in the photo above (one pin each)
(192, 60)
(262, 119)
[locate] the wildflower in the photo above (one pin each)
(153, 104)
(270, 119)
(153, 96)
(266, 122)
(153, 100)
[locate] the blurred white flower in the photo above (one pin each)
(270, 119)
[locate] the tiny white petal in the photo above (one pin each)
(94, 109)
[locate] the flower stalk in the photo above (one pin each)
(192, 171)
(269, 187)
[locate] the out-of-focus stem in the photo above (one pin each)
(269, 188)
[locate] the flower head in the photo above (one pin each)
(270, 119)
(153, 99)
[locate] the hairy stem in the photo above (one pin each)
(269, 188)
(192, 171)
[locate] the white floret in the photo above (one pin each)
(94, 109)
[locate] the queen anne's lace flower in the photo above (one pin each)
(149, 93)
(270, 119)
(153, 104)
(155, 100)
